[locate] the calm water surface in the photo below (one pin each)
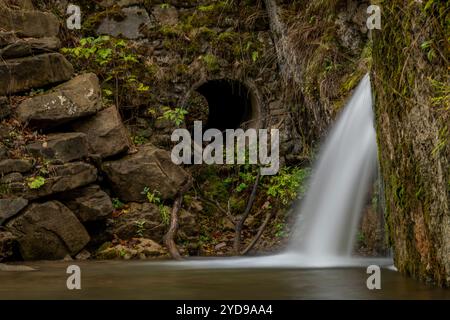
(153, 280)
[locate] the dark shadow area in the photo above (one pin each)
(230, 104)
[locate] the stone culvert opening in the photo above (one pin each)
(223, 104)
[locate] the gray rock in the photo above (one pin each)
(11, 177)
(65, 147)
(106, 134)
(149, 167)
(76, 98)
(29, 24)
(22, 74)
(15, 165)
(165, 16)
(29, 46)
(65, 177)
(89, 204)
(15, 268)
(129, 27)
(48, 231)
(7, 243)
(11, 207)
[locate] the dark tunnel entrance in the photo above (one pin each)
(223, 104)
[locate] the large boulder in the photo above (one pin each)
(145, 220)
(63, 178)
(129, 27)
(22, 74)
(106, 134)
(48, 231)
(74, 99)
(64, 147)
(140, 220)
(149, 167)
(29, 24)
(15, 165)
(11, 207)
(89, 203)
(30, 46)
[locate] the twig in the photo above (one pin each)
(259, 234)
(169, 238)
(240, 223)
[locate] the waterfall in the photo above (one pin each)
(329, 213)
(328, 216)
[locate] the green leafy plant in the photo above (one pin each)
(140, 226)
(288, 184)
(117, 204)
(176, 115)
(36, 182)
(114, 61)
(155, 198)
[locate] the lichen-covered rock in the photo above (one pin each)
(106, 134)
(79, 97)
(64, 147)
(65, 177)
(15, 165)
(28, 23)
(149, 167)
(413, 117)
(11, 207)
(18, 75)
(48, 231)
(89, 203)
(129, 27)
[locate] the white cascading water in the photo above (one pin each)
(328, 216)
(329, 213)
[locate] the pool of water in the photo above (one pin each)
(186, 280)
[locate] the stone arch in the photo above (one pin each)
(229, 104)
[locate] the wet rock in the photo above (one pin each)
(22, 74)
(76, 98)
(29, 24)
(15, 165)
(5, 108)
(134, 19)
(89, 203)
(15, 268)
(135, 249)
(149, 167)
(65, 177)
(141, 220)
(65, 147)
(30, 46)
(48, 231)
(7, 243)
(11, 207)
(83, 255)
(106, 134)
